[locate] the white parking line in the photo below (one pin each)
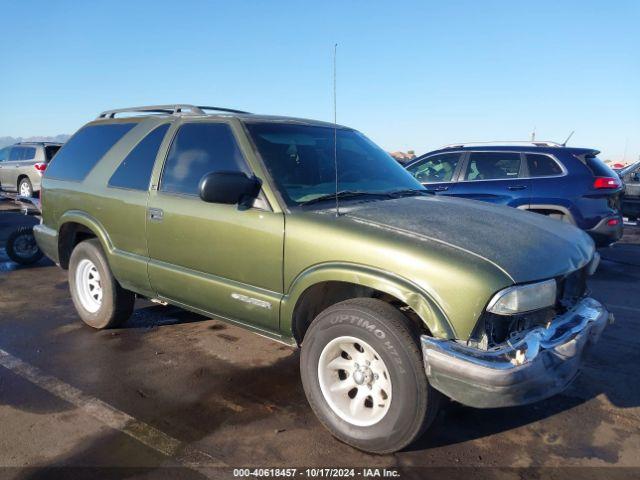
(111, 416)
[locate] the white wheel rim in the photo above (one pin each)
(354, 381)
(88, 285)
(24, 189)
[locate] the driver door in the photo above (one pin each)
(214, 258)
(437, 173)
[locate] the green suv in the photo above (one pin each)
(396, 297)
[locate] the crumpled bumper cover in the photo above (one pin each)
(536, 366)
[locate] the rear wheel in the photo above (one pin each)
(98, 297)
(363, 375)
(25, 188)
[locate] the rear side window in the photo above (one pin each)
(438, 168)
(492, 166)
(81, 153)
(28, 153)
(22, 153)
(135, 170)
(198, 149)
(542, 165)
(50, 151)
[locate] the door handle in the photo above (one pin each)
(156, 214)
(517, 187)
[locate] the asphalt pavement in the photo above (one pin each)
(175, 394)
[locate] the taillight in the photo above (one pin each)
(41, 167)
(606, 182)
(613, 222)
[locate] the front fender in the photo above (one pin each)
(420, 301)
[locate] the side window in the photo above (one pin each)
(4, 154)
(492, 166)
(15, 154)
(28, 153)
(80, 154)
(198, 149)
(135, 170)
(438, 168)
(542, 165)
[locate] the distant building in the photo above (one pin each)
(403, 157)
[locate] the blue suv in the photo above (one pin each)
(570, 184)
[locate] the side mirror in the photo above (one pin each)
(228, 187)
(636, 177)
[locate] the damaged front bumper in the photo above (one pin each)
(538, 365)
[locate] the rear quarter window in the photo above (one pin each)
(135, 170)
(598, 167)
(84, 150)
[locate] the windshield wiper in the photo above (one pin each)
(344, 194)
(408, 192)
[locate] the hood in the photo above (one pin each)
(525, 245)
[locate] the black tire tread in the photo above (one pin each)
(402, 327)
(11, 251)
(123, 299)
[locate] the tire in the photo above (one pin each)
(22, 247)
(98, 297)
(411, 404)
(25, 188)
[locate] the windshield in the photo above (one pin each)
(300, 159)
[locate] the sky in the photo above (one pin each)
(410, 75)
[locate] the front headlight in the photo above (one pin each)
(523, 298)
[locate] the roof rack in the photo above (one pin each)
(508, 142)
(177, 109)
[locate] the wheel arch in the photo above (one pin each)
(545, 208)
(20, 178)
(76, 226)
(324, 285)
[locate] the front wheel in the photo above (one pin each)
(98, 297)
(363, 375)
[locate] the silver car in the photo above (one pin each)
(22, 166)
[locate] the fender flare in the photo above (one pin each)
(86, 220)
(78, 216)
(550, 206)
(421, 301)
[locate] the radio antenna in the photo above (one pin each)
(564, 144)
(335, 126)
